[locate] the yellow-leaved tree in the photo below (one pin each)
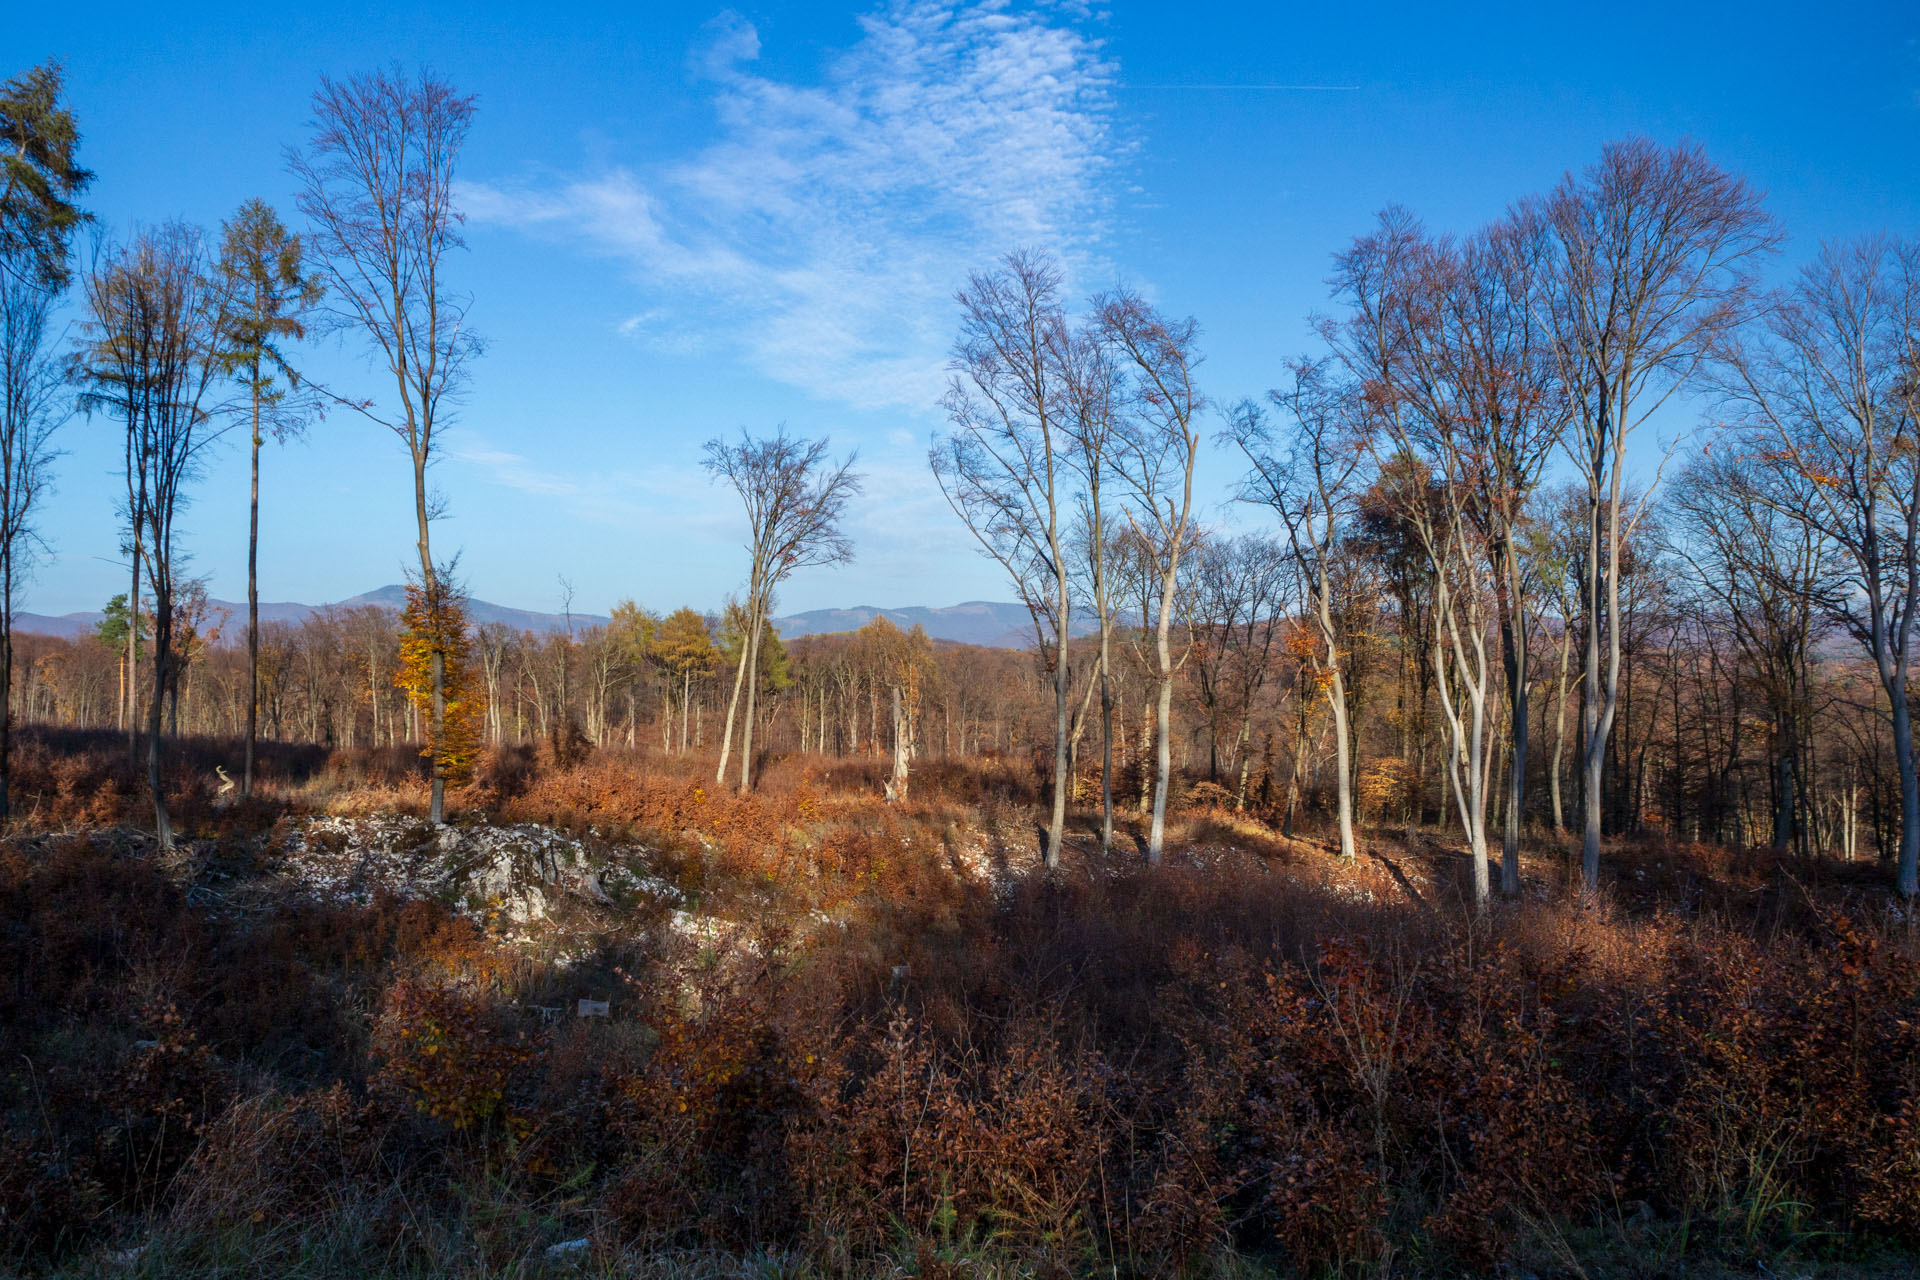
(901, 661)
(435, 633)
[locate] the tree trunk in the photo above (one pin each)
(1163, 730)
(133, 653)
(1343, 756)
(753, 688)
(1299, 762)
(1514, 652)
(1106, 742)
(1907, 875)
(437, 804)
(253, 595)
(898, 789)
(1162, 763)
(1246, 756)
(733, 708)
(1062, 674)
(162, 653)
(6, 687)
(1603, 602)
(1560, 729)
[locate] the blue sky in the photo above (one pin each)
(688, 219)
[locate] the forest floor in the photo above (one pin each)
(613, 1020)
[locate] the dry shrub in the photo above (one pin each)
(880, 1063)
(446, 1053)
(702, 1123)
(1435, 1081)
(1207, 795)
(1888, 1165)
(1785, 1073)
(501, 776)
(949, 1145)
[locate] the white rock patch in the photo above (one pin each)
(515, 872)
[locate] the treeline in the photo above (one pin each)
(1701, 755)
(643, 681)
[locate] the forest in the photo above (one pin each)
(1490, 849)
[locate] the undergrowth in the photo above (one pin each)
(903, 1062)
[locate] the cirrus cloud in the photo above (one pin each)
(823, 233)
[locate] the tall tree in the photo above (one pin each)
(263, 269)
(1445, 338)
(1831, 389)
(39, 184)
(1311, 475)
(795, 499)
(1093, 390)
(1160, 446)
(376, 181)
(1003, 465)
(32, 405)
(155, 328)
(1656, 253)
(39, 178)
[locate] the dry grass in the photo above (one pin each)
(880, 1041)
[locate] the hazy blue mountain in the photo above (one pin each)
(996, 623)
(999, 624)
(393, 596)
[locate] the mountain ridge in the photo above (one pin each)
(994, 624)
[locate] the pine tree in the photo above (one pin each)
(263, 269)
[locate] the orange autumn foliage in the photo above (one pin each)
(440, 627)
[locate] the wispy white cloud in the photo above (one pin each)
(824, 231)
(516, 472)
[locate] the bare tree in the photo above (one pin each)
(1553, 547)
(113, 368)
(1159, 446)
(1004, 466)
(1311, 476)
(1444, 337)
(376, 182)
(1239, 590)
(1761, 576)
(1397, 284)
(156, 324)
(1831, 390)
(32, 405)
(1093, 390)
(1656, 254)
(795, 498)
